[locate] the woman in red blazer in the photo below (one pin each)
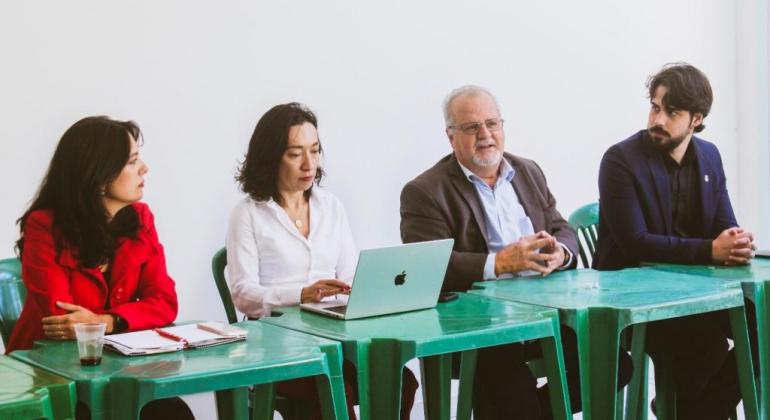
(89, 250)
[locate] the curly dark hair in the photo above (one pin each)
(687, 88)
(258, 174)
(90, 155)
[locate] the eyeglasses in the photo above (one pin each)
(473, 128)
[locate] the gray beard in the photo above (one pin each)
(486, 163)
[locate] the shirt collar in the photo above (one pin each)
(506, 172)
(686, 158)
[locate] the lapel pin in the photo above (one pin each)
(706, 178)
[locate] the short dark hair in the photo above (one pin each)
(687, 88)
(89, 157)
(258, 174)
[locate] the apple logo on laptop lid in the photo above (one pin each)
(400, 279)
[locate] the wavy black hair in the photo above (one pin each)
(687, 88)
(258, 174)
(89, 157)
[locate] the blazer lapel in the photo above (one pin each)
(68, 259)
(129, 253)
(468, 193)
(706, 180)
(528, 197)
(662, 185)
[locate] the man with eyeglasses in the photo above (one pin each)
(504, 221)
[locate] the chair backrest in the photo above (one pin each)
(12, 295)
(585, 221)
(218, 264)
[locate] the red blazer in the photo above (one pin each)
(141, 291)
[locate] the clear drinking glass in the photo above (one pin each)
(90, 342)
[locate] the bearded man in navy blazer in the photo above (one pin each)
(663, 198)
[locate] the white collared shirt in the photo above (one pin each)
(269, 261)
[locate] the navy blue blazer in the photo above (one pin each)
(635, 214)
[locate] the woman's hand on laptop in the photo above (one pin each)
(323, 288)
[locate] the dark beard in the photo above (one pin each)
(665, 144)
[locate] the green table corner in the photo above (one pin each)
(754, 280)
(598, 305)
(380, 346)
(120, 386)
(29, 392)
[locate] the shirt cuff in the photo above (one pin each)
(489, 267)
(569, 256)
(290, 296)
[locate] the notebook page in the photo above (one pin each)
(144, 340)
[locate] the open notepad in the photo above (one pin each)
(162, 340)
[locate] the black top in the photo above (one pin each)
(685, 197)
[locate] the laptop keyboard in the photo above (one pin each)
(338, 309)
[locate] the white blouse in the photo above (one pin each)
(269, 261)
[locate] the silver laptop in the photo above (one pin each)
(394, 279)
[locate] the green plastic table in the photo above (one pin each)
(121, 385)
(754, 279)
(28, 392)
(598, 305)
(379, 347)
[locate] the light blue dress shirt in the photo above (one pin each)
(505, 217)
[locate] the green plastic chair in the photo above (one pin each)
(218, 264)
(12, 295)
(585, 221)
(289, 409)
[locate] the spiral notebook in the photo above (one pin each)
(163, 340)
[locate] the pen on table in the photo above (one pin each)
(164, 333)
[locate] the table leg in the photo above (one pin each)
(665, 388)
(331, 386)
(598, 335)
(94, 395)
(263, 402)
(125, 402)
(553, 359)
(234, 403)
(636, 408)
(762, 305)
(388, 358)
(436, 374)
(358, 354)
(743, 359)
(467, 377)
(331, 394)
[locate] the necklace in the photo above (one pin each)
(297, 216)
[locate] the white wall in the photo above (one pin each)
(197, 76)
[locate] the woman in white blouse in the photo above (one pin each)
(289, 241)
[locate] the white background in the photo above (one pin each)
(196, 76)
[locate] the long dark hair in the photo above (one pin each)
(90, 155)
(258, 174)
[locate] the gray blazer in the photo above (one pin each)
(441, 203)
